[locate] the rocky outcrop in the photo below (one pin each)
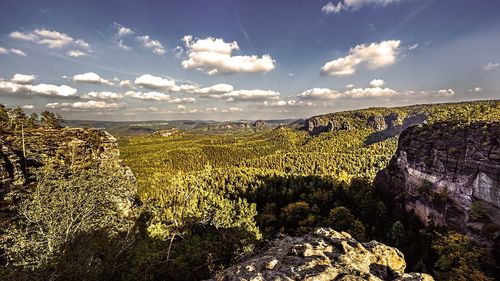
(260, 124)
(391, 125)
(448, 175)
(75, 146)
(12, 170)
(323, 254)
(377, 122)
(317, 125)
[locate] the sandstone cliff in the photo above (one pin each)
(74, 146)
(323, 254)
(448, 175)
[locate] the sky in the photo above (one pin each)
(244, 59)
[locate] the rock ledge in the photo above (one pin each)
(323, 254)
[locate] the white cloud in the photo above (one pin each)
(3, 51)
(445, 92)
(475, 90)
(103, 95)
(23, 78)
(377, 83)
(90, 77)
(18, 52)
(155, 45)
(287, 103)
(121, 45)
(251, 95)
(374, 91)
(154, 82)
(53, 90)
(412, 47)
(374, 55)
(88, 105)
(182, 100)
(27, 106)
(214, 56)
(76, 53)
(53, 39)
(370, 92)
(352, 5)
(319, 94)
(157, 96)
(82, 44)
(489, 66)
(123, 31)
(148, 96)
(233, 109)
(13, 87)
(349, 86)
(217, 89)
(332, 8)
(126, 84)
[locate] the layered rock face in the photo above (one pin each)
(316, 125)
(449, 176)
(323, 254)
(72, 145)
(11, 166)
(76, 148)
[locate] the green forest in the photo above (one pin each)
(207, 198)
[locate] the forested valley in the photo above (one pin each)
(200, 200)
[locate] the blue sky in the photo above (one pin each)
(223, 59)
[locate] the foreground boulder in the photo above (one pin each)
(323, 254)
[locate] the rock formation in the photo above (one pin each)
(377, 122)
(448, 175)
(12, 170)
(317, 125)
(260, 124)
(323, 254)
(77, 148)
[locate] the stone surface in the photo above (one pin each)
(77, 148)
(323, 254)
(449, 176)
(12, 170)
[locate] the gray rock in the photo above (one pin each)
(323, 254)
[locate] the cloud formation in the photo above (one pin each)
(23, 78)
(154, 82)
(18, 52)
(103, 95)
(90, 77)
(155, 45)
(374, 91)
(251, 95)
(475, 90)
(353, 5)
(214, 56)
(157, 96)
(489, 66)
(377, 83)
(76, 53)
(374, 55)
(50, 38)
(88, 105)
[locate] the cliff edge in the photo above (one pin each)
(323, 254)
(448, 175)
